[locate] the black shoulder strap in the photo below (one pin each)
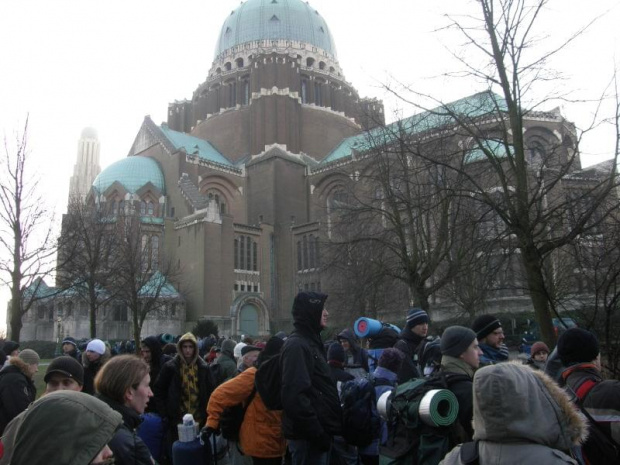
(469, 453)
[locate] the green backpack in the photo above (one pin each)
(413, 441)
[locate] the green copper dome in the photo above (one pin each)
(272, 20)
(133, 173)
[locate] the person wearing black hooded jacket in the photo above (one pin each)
(150, 351)
(356, 361)
(311, 408)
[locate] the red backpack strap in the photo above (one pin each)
(584, 388)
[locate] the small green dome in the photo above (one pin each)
(272, 20)
(133, 173)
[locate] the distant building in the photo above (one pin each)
(86, 167)
(240, 186)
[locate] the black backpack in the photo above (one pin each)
(600, 446)
(268, 383)
(232, 418)
(360, 420)
(410, 440)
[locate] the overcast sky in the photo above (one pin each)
(70, 64)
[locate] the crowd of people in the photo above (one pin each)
(554, 408)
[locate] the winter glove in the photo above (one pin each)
(323, 442)
(207, 432)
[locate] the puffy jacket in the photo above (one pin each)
(40, 438)
(522, 416)
(17, 391)
(309, 396)
(128, 448)
(261, 431)
(168, 387)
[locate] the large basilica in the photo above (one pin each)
(236, 186)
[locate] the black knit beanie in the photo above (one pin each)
(576, 345)
(455, 340)
(485, 325)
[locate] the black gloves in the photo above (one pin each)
(323, 442)
(207, 432)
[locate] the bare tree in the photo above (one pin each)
(25, 230)
(522, 176)
(401, 216)
(143, 278)
(86, 257)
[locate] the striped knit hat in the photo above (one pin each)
(416, 316)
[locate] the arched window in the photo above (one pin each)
(232, 95)
(142, 207)
(228, 66)
(144, 255)
(246, 92)
(121, 207)
(309, 62)
(305, 252)
(114, 207)
(299, 261)
(249, 252)
(154, 252)
(150, 208)
(242, 253)
(236, 252)
(239, 62)
(321, 65)
(311, 257)
(318, 94)
(304, 91)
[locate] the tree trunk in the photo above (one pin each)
(536, 285)
(15, 326)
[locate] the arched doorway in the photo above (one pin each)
(248, 320)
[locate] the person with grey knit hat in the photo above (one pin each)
(17, 389)
(411, 342)
(490, 336)
(459, 360)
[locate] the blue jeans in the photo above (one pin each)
(304, 453)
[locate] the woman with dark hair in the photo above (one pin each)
(123, 384)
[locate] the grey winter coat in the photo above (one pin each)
(522, 416)
(63, 428)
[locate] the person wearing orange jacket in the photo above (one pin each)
(260, 436)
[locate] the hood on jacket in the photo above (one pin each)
(20, 365)
(152, 342)
(228, 346)
(92, 424)
(349, 336)
(307, 311)
(512, 403)
(185, 338)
